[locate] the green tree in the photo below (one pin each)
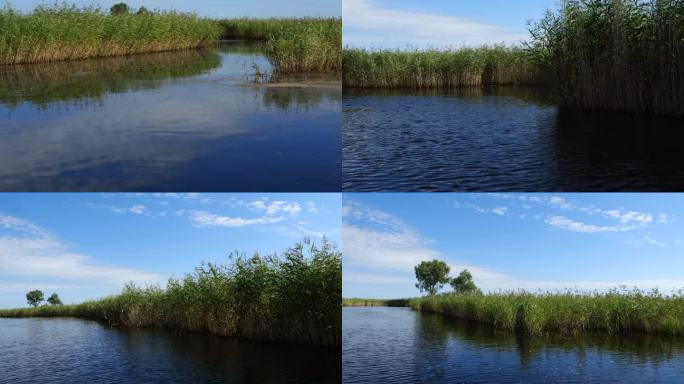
(143, 11)
(464, 283)
(431, 276)
(54, 299)
(119, 9)
(35, 297)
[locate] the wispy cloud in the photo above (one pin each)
(36, 252)
(207, 219)
(369, 25)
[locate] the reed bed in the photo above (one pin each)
(293, 298)
(620, 55)
(293, 45)
(65, 32)
(568, 313)
(432, 68)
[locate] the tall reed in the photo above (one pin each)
(292, 298)
(495, 65)
(620, 55)
(569, 313)
(306, 44)
(54, 33)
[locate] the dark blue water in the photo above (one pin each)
(181, 121)
(75, 351)
(398, 345)
(502, 139)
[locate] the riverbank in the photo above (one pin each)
(568, 313)
(293, 45)
(606, 55)
(294, 298)
(435, 69)
(359, 302)
(69, 33)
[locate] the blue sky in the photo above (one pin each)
(86, 246)
(514, 241)
(438, 23)
(216, 8)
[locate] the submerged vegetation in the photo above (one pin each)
(496, 65)
(293, 45)
(568, 313)
(68, 32)
(619, 55)
(292, 298)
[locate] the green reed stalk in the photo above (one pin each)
(569, 313)
(67, 32)
(292, 298)
(418, 69)
(620, 55)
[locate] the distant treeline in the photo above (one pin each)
(358, 302)
(292, 298)
(620, 55)
(569, 313)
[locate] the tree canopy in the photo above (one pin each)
(431, 276)
(119, 9)
(464, 283)
(35, 297)
(54, 299)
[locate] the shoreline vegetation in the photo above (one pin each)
(290, 298)
(359, 302)
(616, 55)
(571, 313)
(67, 32)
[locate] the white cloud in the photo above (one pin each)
(500, 211)
(375, 279)
(311, 207)
(374, 26)
(276, 207)
(137, 209)
(38, 253)
(207, 219)
(562, 222)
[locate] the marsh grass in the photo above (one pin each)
(293, 45)
(620, 55)
(432, 68)
(569, 313)
(62, 32)
(292, 298)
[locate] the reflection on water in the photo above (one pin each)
(75, 351)
(502, 139)
(165, 122)
(402, 346)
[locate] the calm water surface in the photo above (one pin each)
(502, 139)
(75, 351)
(166, 122)
(398, 345)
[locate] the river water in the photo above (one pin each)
(398, 345)
(502, 139)
(76, 351)
(177, 121)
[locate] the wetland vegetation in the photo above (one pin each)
(290, 298)
(618, 55)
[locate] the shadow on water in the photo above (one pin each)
(77, 351)
(166, 122)
(502, 139)
(399, 345)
